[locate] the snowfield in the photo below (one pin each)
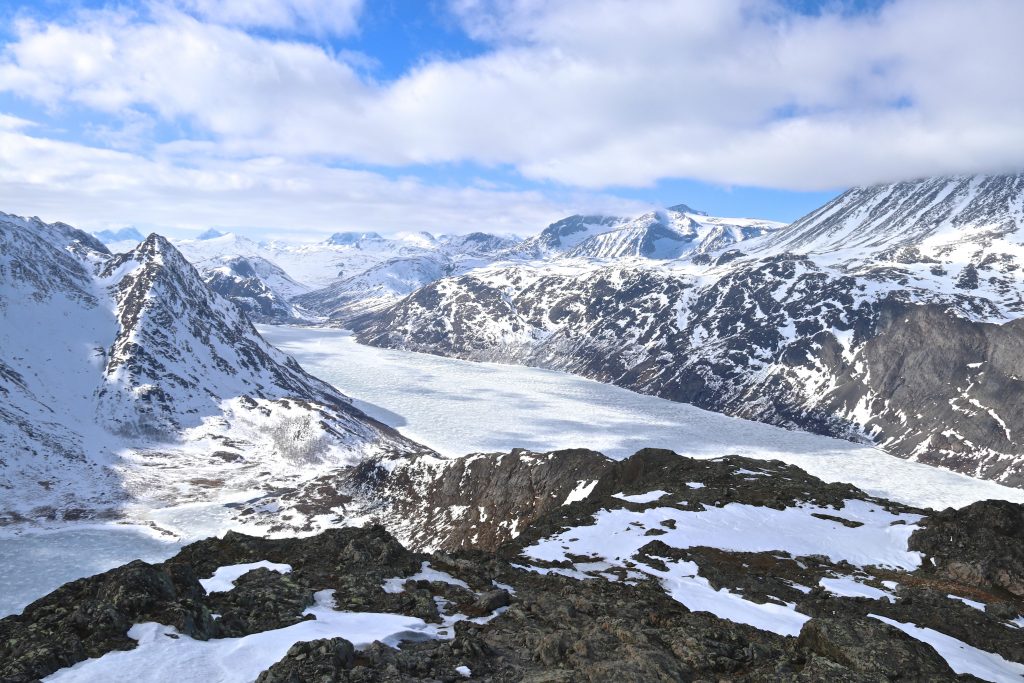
(460, 407)
(616, 537)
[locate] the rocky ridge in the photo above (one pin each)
(497, 611)
(124, 377)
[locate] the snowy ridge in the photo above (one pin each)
(933, 215)
(808, 326)
(671, 234)
(120, 374)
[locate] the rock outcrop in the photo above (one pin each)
(847, 597)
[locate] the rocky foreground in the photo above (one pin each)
(658, 568)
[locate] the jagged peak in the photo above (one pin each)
(942, 210)
(58, 234)
(686, 208)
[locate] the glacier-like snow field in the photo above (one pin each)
(458, 407)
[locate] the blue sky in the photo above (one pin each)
(297, 118)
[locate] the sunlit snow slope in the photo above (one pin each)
(124, 377)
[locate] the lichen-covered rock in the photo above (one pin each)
(980, 545)
(873, 647)
(90, 617)
(261, 600)
(316, 661)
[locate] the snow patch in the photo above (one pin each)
(224, 578)
(961, 657)
(641, 497)
(582, 490)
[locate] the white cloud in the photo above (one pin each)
(338, 17)
(587, 93)
(96, 188)
(8, 122)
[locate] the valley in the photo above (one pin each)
(460, 407)
(646, 402)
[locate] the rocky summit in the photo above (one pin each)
(655, 568)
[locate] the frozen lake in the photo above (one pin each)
(458, 407)
(33, 564)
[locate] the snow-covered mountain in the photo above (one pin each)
(563, 235)
(929, 220)
(891, 315)
(672, 233)
(376, 287)
(125, 378)
(260, 287)
(348, 267)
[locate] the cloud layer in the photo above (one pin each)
(588, 94)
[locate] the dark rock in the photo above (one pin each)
(262, 600)
(90, 617)
(490, 601)
(980, 545)
(316, 661)
(872, 647)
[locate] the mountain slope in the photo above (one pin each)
(125, 378)
(936, 217)
(563, 235)
(260, 287)
(868, 336)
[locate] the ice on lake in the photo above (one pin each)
(33, 564)
(458, 407)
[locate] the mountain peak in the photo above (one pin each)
(686, 208)
(931, 213)
(210, 234)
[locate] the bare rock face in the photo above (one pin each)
(432, 503)
(873, 648)
(980, 545)
(328, 659)
(505, 615)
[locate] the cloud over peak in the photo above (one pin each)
(591, 94)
